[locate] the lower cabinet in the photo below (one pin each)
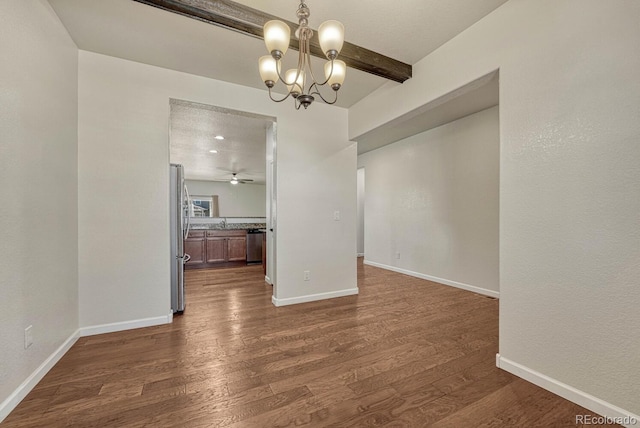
(194, 245)
(209, 248)
(216, 250)
(237, 248)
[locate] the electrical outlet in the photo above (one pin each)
(398, 255)
(307, 275)
(336, 215)
(28, 337)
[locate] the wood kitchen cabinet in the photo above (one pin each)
(211, 248)
(194, 245)
(216, 250)
(237, 248)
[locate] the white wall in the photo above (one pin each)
(360, 180)
(240, 200)
(433, 198)
(38, 189)
(569, 182)
(123, 139)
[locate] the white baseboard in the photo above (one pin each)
(125, 325)
(21, 392)
(572, 394)
(456, 284)
(360, 255)
(313, 297)
(268, 280)
(18, 395)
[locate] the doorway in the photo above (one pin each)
(229, 163)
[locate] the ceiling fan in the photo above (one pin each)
(236, 180)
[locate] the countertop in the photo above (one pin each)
(230, 226)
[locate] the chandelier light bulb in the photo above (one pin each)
(335, 75)
(276, 37)
(268, 70)
(331, 35)
(294, 86)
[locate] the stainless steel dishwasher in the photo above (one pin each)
(254, 246)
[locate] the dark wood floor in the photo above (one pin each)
(404, 353)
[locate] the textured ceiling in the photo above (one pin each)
(243, 150)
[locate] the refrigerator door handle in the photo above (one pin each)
(186, 192)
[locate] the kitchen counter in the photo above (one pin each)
(211, 245)
(230, 226)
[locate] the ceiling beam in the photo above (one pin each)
(243, 19)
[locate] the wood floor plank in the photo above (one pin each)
(405, 352)
(366, 410)
(297, 413)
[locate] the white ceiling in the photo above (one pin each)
(193, 127)
(473, 97)
(406, 30)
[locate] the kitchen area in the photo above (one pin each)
(229, 242)
(219, 197)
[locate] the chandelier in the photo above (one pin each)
(300, 82)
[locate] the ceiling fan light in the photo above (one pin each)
(234, 180)
(268, 70)
(331, 35)
(276, 37)
(335, 76)
(294, 86)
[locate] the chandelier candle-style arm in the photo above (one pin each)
(277, 36)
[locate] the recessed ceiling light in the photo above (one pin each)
(219, 137)
(213, 151)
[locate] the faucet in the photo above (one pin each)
(224, 222)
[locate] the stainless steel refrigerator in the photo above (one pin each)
(179, 220)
